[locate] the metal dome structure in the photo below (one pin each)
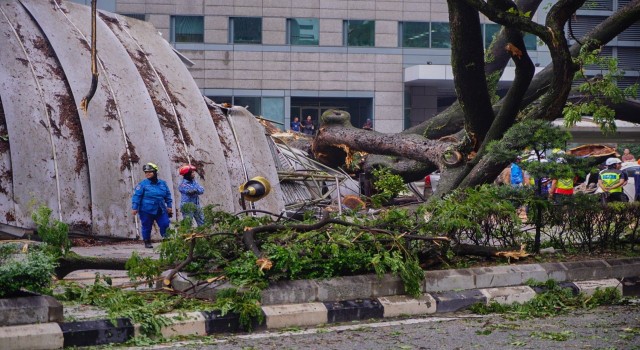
(147, 108)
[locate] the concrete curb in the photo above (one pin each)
(101, 332)
(312, 302)
(372, 286)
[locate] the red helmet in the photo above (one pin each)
(185, 169)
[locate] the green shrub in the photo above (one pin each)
(53, 232)
(483, 215)
(387, 185)
(31, 271)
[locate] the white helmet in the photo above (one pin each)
(612, 161)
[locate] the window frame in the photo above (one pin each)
(448, 25)
(232, 31)
(290, 40)
(402, 29)
(345, 32)
(173, 29)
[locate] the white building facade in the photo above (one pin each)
(384, 60)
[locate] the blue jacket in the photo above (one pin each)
(516, 174)
(151, 197)
(191, 190)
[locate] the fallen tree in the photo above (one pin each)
(456, 140)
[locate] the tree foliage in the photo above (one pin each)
(476, 119)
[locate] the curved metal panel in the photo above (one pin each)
(251, 156)
(199, 132)
(34, 175)
(63, 126)
(7, 206)
(237, 175)
(111, 183)
(162, 108)
(139, 121)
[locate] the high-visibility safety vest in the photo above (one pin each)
(565, 186)
(611, 177)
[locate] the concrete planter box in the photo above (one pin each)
(29, 308)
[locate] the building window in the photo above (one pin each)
(582, 25)
(303, 31)
(530, 42)
(187, 29)
(359, 33)
(595, 5)
(273, 110)
(414, 34)
(139, 16)
(490, 31)
(251, 103)
(245, 30)
(107, 5)
(440, 35)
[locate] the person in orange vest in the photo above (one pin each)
(561, 188)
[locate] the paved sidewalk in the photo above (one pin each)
(315, 302)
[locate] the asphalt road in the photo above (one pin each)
(615, 327)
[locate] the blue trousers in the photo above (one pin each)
(146, 219)
(198, 215)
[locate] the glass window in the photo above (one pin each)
(440, 35)
(107, 5)
(221, 99)
(273, 109)
(303, 31)
(414, 34)
(530, 41)
(359, 33)
(251, 103)
(140, 16)
(245, 30)
(187, 29)
(490, 31)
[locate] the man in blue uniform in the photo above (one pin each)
(191, 191)
(152, 201)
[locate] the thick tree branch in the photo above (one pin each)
(336, 135)
(72, 262)
(467, 63)
(507, 115)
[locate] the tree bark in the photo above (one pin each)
(337, 137)
(73, 262)
(549, 89)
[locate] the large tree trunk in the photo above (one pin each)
(337, 137)
(549, 89)
(73, 262)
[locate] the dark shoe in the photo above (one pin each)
(147, 244)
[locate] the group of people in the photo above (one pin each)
(611, 181)
(305, 127)
(152, 200)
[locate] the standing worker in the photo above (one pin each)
(561, 188)
(295, 125)
(515, 175)
(611, 181)
(307, 126)
(191, 191)
(152, 201)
